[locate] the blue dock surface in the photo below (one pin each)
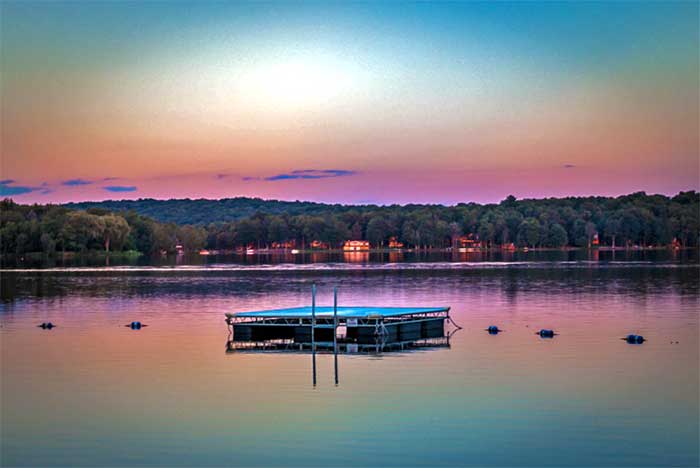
(343, 312)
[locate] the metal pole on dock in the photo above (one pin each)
(313, 329)
(313, 316)
(335, 332)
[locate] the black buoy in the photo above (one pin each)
(634, 339)
(46, 325)
(546, 333)
(493, 330)
(135, 325)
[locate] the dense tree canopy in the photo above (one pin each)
(636, 219)
(51, 228)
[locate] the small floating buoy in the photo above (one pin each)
(634, 339)
(135, 325)
(546, 333)
(493, 330)
(46, 325)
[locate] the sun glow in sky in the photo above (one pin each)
(297, 83)
(355, 103)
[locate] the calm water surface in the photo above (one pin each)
(93, 392)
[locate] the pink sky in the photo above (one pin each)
(433, 108)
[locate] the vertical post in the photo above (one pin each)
(313, 329)
(335, 332)
(313, 316)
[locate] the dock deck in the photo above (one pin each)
(343, 312)
(362, 325)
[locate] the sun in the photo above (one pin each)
(301, 82)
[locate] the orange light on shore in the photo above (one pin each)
(356, 246)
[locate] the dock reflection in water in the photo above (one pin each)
(283, 345)
(345, 330)
(290, 346)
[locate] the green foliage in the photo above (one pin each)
(186, 211)
(530, 233)
(635, 219)
(557, 237)
(48, 228)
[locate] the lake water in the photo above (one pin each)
(94, 392)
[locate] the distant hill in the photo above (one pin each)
(203, 211)
(635, 221)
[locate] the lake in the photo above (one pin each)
(94, 392)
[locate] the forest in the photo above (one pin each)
(637, 219)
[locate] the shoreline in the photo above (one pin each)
(294, 252)
(264, 251)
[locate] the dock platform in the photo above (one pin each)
(360, 325)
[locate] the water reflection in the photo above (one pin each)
(169, 393)
(637, 280)
(376, 349)
(396, 256)
(351, 348)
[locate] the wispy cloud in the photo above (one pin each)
(108, 179)
(569, 166)
(45, 189)
(8, 189)
(306, 174)
(120, 188)
(75, 182)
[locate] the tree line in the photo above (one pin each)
(204, 211)
(54, 228)
(635, 219)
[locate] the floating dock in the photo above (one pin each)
(319, 326)
(342, 347)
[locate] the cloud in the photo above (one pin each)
(107, 179)
(6, 190)
(568, 166)
(120, 188)
(75, 182)
(311, 174)
(224, 176)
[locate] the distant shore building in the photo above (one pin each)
(318, 245)
(596, 240)
(283, 245)
(469, 241)
(356, 246)
(394, 243)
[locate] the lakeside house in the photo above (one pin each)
(284, 245)
(469, 243)
(394, 243)
(356, 246)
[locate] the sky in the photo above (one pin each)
(347, 102)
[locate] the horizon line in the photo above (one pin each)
(351, 203)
